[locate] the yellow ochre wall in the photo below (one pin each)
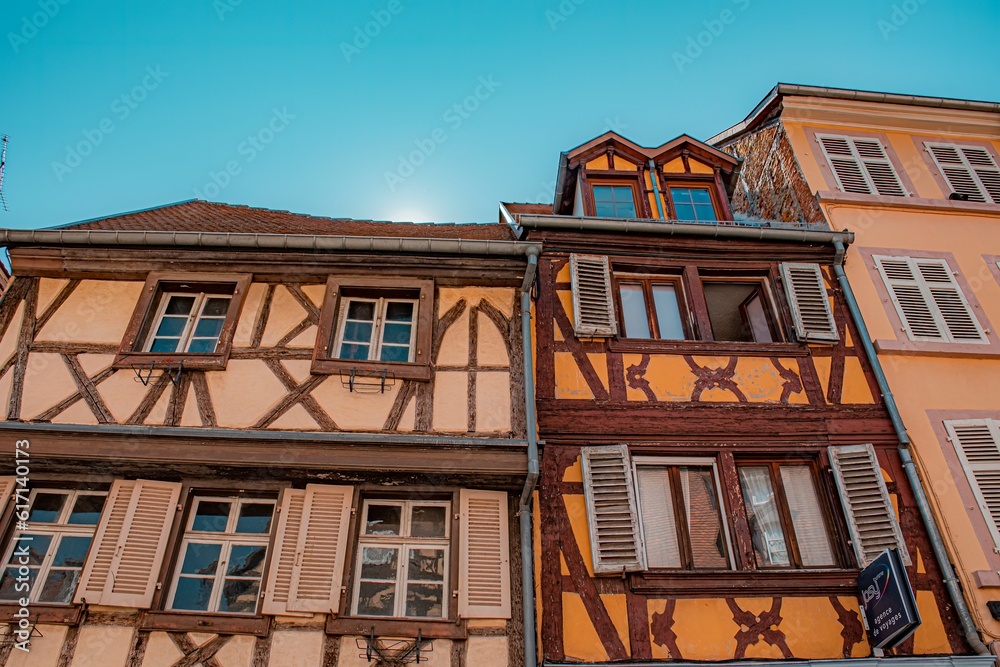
(967, 385)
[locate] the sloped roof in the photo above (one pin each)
(516, 208)
(201, 216)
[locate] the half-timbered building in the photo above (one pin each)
(238, 437)
(718, 463)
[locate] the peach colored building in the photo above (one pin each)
(917, 180)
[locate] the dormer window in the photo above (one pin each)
(614, 201)
(693, 204)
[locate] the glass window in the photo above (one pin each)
(693, 204)
(614, 201)
(188, 322)
(61, 525)
(738, 311)
(787, 524)
(662, 321)
(680, 511)
(403, 556)
(377, 330)
(222, 556)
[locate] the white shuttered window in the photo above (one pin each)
(612, 515)
(929, 300)
(863, 494)
(484, 565)
(969, 170)
(977, 442)
(593, 306)
(861, 165)
(809, 302)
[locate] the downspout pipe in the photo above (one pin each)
(912, 475)
(655, 179)
(524, 510)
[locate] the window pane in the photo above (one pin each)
(668, 313)
(353, 351)
(246, 560)
(602, 193)
(164, 345)
(727, 310)
(11, 588)
(705, 530)
(211, 516)
(376, 598)
(361, 310)
(426, 565)
(684, 211)
(700, 196)
(383, 520)
(59, 586)
(605, 210)
(399, 311)
(358, 332)
(428, 521)
(171, 327)
(395, 353)
(208, 328)
(634, 311)
(424, 600)
(87, 510)
(704, 212)
(202, 345)
(179, 305)
(659, 524)
(215, 307)
(72, 551)
(756, 318)
(201, 558)
(396, 333)
(193, 594)
(807, 516)
(378, 563)
(255, 518)
(765, 520)
(239, 596)
(46, 507)
(38, 546)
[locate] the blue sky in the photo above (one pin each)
(417, 110)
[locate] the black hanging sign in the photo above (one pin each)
(887, 601)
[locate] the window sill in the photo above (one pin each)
(757, 582)
(201, 622)
(721, 348)
(369, 370)
(396, 627)
(194, 362)
(917, 203)
(69, 614)
(928, 349)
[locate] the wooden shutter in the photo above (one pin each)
(929, 300)
(861, 165)
(129, 545)
(611, 510)
(593, 306)
(484, 558)
(283, 558)
(6, 489)
(809, 302)
(970, 170)
(870, 516)
(320, 550)
(977, 442)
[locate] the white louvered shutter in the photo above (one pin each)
(129, 545)
(809, 302)
(970, 170)
(977, 442)
(484, 558)
(318, 572)
(6, 489)
(929, 300)
(861, 165)
(870, 516)
(283, 560)
(611, 510)
(593, 306)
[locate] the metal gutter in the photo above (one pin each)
(239, 241)
(655, 179)
(668, 228)
(531, 479)
(912, 475)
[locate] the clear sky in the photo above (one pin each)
(349, 108)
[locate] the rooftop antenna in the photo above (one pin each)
(3, 161)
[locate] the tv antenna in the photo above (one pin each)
(3, 161)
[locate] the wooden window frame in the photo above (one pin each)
(690, 184)
(646, 281)
(133, 352)
(766, 293)
(614, 179)
(418, 369)
(376, 341)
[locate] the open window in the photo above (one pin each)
(184, 318)
(740, 311)
(374, 325)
